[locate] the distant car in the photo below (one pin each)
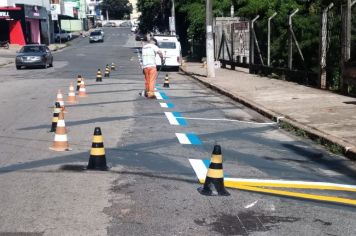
(125, 24)
(134, 28)
(140, 36)
(96, 36)
(34, 55)
(109, 24)
(64, 36)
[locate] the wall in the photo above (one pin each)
(30, 2)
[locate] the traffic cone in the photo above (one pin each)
(60, 142)
(56, 111)
(82, 91)
(214, 181)
(97, 160)
(79, 80)
(99, 77)
(113, 67)
(107, 71)
(71, 94)
(60, 100)
(166, 81)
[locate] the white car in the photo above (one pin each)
(63, 36)
(171, 49)
(134, 28)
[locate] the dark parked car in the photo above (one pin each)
(140, 36)
(96, 36)
(34, 55)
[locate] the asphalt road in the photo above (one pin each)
(151, 188)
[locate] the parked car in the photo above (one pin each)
(140, 36)
(171, 49)
(109, 24)
(34, 55)
(125, 24)
(64, 36)
(134, 28)
(96, 36)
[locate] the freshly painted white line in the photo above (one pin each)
(164, 105)
(251, 205)
(183, 139)
(212, 119)
(196, 164)
(158, 96)
(172, 120)
(199, 168)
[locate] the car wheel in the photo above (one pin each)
(68, 38)
(18, 67)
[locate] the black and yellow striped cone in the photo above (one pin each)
(79, 80)
(214, 181)
(107, 71)
(97, 160)
(113, 67)
(56, 110)
(166, 81)
(99, 77)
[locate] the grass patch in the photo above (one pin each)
(330, 146)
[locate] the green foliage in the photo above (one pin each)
(118, 9)
(154, 15)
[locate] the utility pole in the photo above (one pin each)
(209, 40)
(173, 21)
(107, 15)
(345, 40)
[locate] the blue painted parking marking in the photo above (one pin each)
(189, 138)
(164, 96)
(179, 118)
(193, 139)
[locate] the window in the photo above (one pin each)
(168, 45)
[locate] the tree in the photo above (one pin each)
(154, 15)
(118, 9)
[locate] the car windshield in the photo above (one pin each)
(32, 49)
(95, 33)
(168, 45)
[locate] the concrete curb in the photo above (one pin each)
(349, 150)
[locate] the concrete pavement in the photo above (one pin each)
(323, 116)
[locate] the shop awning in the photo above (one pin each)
(10, 8)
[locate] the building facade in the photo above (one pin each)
(24, 21)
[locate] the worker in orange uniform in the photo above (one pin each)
(149, 52)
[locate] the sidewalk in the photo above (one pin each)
(7, 56)
(325, 117)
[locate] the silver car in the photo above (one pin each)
(34, 55)
(96, 36)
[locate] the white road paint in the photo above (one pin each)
(183, 139)
(163, 104)
(171, 118)
(158, 96)
(251, 205)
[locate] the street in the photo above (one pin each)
(151, 186)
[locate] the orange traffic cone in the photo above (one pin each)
(60, 100)
(60, 142)
(82, 90)
(71, 94)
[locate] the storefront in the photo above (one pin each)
(10, 25)
(35, 24)
(24, 24)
